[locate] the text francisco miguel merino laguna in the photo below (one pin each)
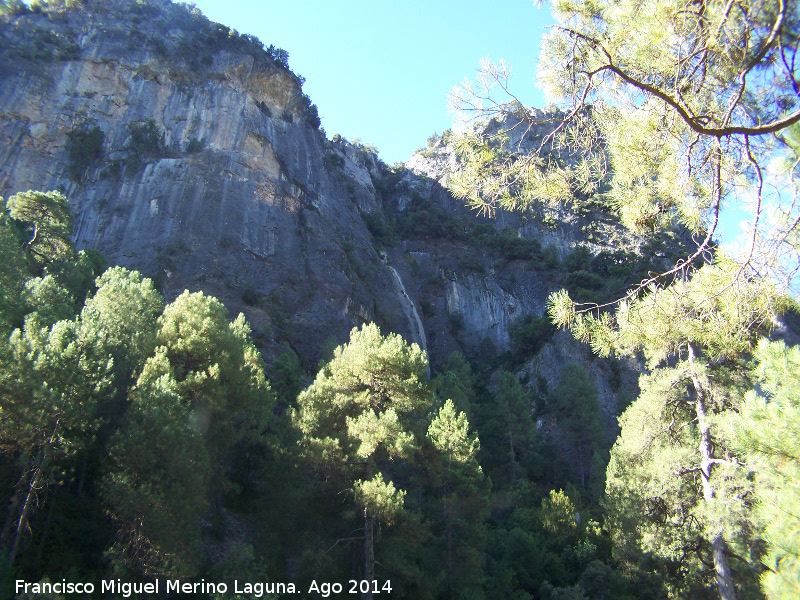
(127, 589)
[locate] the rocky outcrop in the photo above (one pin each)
(238, 194)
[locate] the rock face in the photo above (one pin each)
(213, 174)
(241, 196)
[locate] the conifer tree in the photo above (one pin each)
(464, 495)
(767, 431)
(359, 415)
(201, 391)
(673, 108)
(48, 219)
(512, 414)
(575, 403)
(51, 379)
(673, 437)
(13, 271)
(55, 368)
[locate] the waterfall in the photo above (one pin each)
(411, 311)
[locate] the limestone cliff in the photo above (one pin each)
(212, 172)
(190, 152)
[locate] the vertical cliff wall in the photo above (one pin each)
(212, 173)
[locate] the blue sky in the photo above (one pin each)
(380, 70)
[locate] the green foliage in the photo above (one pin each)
(312, 114)
(449, 433)
(157, 484)
(251, 297)
(529, 335)
(44, 43)
(656, 497)
(464, 493)
(508, 431)
(359, 400)
(125, 307)
(559, 515)
(12, 7)
(382, 230)
(715, 309)
(47, 217)
(194, 145)
(578, 260)
(425, 220)
(287, 376)
(51, 379)
(84, 149)
(46, 301)
(119, 417)
(145, 144)
(356, 421)
(511, 246)
(767, 430)
(13, 269)
(202, 392)
(262, 106)
(457, 383)
(379, 498)
(575, 403)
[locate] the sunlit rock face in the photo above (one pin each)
(243, 197)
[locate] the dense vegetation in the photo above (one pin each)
(142, 440)
(675, 109)
(138, 436)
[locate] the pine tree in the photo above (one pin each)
(511, 413)
(575, 403)
(201, 392)
(358, 416)
(51, 379)
(47, 217)
(671, 108)
(464, 495)
(767, 432)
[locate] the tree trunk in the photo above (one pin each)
(727, 591)
(369, 552)
(513, 457)
(11, 519)
(23, 518)
(449, 532)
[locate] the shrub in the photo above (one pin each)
(550, 257)
(585, 280)
(382, 230)
(512, 247)
(194, 145)
(146, 143)
(262, 106)
(619, 264)
(279, 56)
(334, 160)
(84, 148)
(578, 260)
(312, 116)
(251, 298)
(529, 335)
